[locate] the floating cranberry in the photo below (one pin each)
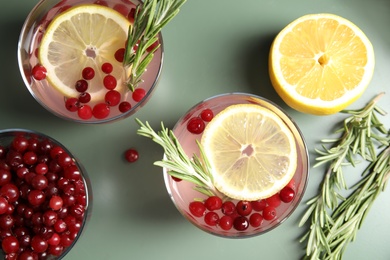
(207, 115)
(112, 98)
(131, 15)
(228, 208)
(39, 72)
(241, 223)
(131, 155)
(269, 213)
(84, 112)
(81, 85)
(84, 97)
(107, 67)
(213, 203)
(287, 194)
(120, 54)
(121, 8)
(274, 200)
(109, 82)
(72, 104)
(211, 218)
(195, 125)
(225, 222)
(88, 73)
(197, 208)
(138, 94)
(124, 106)
(244, 208)
(255, 219)
(258, 205)
(101, 111)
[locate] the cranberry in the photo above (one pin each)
(124, 106)
(39, 182)
(88, 73)
(225, 222)
(274, 200)
(64, 160)
(120, 54)
(10, 192)
(131, 155)
(54, 240)
(84, 97)
(109, 82)
(30, 158)
(291, 184)
(195, 125)
(10, 244)
(112, 98)
(3, 205)
(211, 218)
(269, 213)
(197, 208)
(101, 110)
(39, 72)
(244, 208)
(60, 226)
(5, 176)
(287, 194)
(36, 197)
(121, 8)
(81, 85)
(101, 2)
(6, 221)
(72, 172)
(258, 205)
(138, 94)
(131, 15)
(241, 223)
(20, 143)
(38, 244)
(213, 203)
(228, 208)
(256, 219)
(176, 179)
(72, 104)
(84, 112)
(41, 168)
(56, 202)
(107, 67)
(207, 115)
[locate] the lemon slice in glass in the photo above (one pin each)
(83, 36)
(252, 152)
(321, 63)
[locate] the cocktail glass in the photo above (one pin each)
(47, 95)
(182, 192)
(75, 209)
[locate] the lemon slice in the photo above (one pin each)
(252, 152)
(83, 36)
(321, 63)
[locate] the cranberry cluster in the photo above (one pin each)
(240, 215)
(42, 198)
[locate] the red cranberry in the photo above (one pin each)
(10, 244)
(274, 200)
(112, 98)
(287, 194)
(197, 208)
(38, 244)
(256, 219)
(124, 106)
(101, 110)
(109, 82)
(5, 176)
(119, 54)
(88, 73)
(56, 202)
(10, 192)
(213, 203)
(241, 223)
(226, 222)
(138, 94)
(131, 155)
(207, 115)
(72, 104)
(153, 46)
(269, 213)
(84, 97)
(81, 85)
(195, 125)
(258, 205)
(228, 208)
(244, 208)
(84, 112)
(107, 67)
(39, 72)
(211, 218)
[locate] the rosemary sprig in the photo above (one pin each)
(149, 19)
(176, 161)
(334, 218)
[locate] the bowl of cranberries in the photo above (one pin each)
(219, 214)
(45, 196)
(81, 78)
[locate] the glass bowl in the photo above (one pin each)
(54, 100)
(182, 192)
(45, 194)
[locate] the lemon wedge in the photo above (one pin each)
(252, 152)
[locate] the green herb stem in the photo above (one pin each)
(149, 19)
(334, 220)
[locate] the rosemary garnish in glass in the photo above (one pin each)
(334, 220)
(150, 18)
(176, 161)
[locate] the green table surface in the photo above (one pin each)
(211, 47)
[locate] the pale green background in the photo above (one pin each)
(211, 47)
